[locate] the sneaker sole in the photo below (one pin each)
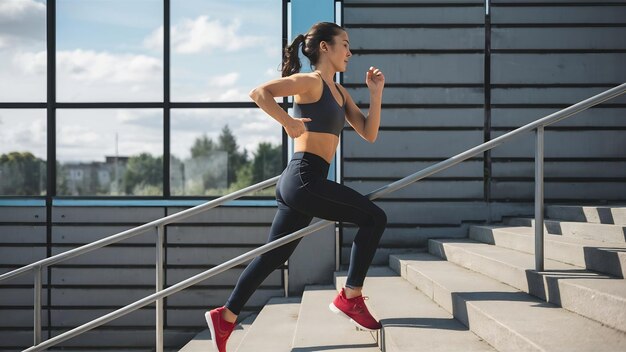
(209, 322)
(339, 312)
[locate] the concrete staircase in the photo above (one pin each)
(480, 293)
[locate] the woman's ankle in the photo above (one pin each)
(352, 292)
(228, 315)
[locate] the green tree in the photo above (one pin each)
(236, 159)
(202, 147)
(143, 171)
(267, 162)
(22, 174)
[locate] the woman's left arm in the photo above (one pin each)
(367, 127)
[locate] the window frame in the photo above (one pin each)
(51, 105)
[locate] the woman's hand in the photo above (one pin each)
(295, 126)
(375, 80)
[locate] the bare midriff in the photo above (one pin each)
(318, 143)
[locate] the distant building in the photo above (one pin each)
(94, 178)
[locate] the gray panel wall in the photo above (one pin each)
(91, 285)
(446, 93)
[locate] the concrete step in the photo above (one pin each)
(604, 257)
(597, 232)
(202, 341)
(319, 329)
(411, 319)
(507, 319)
(615, 215)
(596, 296)
(273, 328)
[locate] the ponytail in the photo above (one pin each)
(321, 31)
(291, 61)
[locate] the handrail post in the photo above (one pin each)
(337, 247)
(539, 194)
(37, 307)
(286, 276)
(159, 287)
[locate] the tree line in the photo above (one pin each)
(23, 174)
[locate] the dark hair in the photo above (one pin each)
(319, 32)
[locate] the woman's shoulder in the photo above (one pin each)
(307, 77)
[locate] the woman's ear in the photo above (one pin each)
(323, 46)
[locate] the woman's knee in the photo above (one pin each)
(376, 219)
(379, 217)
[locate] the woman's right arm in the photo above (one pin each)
(264, 95)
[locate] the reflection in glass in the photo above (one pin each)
(23, 51)
(106, 50)
(109, 152)
(220, 50)
(22, 152)
(218, 151)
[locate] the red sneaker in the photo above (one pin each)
(220, 328)
(355, 310)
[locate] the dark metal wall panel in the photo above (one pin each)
(23, 214)
(576, 38)
(432, 54)
(590, 169)
(420, 118)
(427, 189)
(416, 39)
(384, 13)
(432, 68)
(547, 13)
(558, 68)
(94, 284)
(410, 144)
(601, 144)
(542, 57)
(389, 170)
(421, 96)
(602, 116)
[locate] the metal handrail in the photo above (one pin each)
(160, 224)
(139, 229)
(538, 124)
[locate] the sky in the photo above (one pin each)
(111, 51)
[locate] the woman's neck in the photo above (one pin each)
(327, 74)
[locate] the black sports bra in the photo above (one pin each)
(326, 114)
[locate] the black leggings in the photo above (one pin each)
(303, 192)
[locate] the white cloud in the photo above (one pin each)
(87, 75)
(77, 136)
(23, 130)
(88, 65)
(233, 94)
(90, 134)
(226, 80)
(154, 41)
(33, 63)
(205, 35)
(21, 20)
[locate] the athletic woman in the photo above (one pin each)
(303, 191)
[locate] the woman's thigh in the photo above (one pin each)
(333, 201)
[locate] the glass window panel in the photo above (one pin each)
(110, 152)
(218, 151)
(23, 51)
(220, 50)
(107, 50)
(22, 152)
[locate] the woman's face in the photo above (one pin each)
(339, 52)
